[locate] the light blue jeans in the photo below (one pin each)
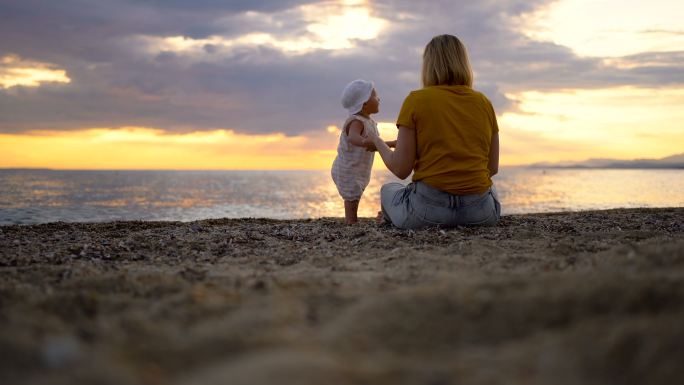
(418, 206)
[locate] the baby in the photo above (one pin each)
(351, 169)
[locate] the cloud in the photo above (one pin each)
(663, 32)
(16, 72)
(146, 148)
(273, 66)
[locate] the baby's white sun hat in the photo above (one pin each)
(355, 94)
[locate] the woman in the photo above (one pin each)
(448, 137)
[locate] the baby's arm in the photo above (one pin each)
(355, 137)
(355, 129)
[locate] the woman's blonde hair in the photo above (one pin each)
(445, 62)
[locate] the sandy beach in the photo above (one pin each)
(567, 298)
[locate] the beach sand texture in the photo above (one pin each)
(568, 298)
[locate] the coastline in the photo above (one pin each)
(571, 298)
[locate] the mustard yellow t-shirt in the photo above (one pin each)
(454, 128)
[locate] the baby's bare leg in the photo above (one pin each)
(350, 210)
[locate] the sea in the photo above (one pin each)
(42, 196)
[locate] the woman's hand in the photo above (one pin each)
(400, 161)
(369, 140)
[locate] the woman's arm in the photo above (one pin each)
(356, 138)
(401, 160)
(493, 165)
(370, 146)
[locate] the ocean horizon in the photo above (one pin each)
(31, 196)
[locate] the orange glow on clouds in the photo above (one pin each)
(147, 148)
(572, 125)
(135, 148)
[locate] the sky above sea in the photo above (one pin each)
(204, 84)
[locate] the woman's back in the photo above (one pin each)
(448, 137)
(454, 127)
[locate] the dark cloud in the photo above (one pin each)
(259, 89)
(214, 6)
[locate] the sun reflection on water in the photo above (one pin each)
(526, 190)
(36, 196)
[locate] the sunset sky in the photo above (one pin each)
(206, 84)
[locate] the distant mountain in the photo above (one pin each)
(679, 158)
(673, 161)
